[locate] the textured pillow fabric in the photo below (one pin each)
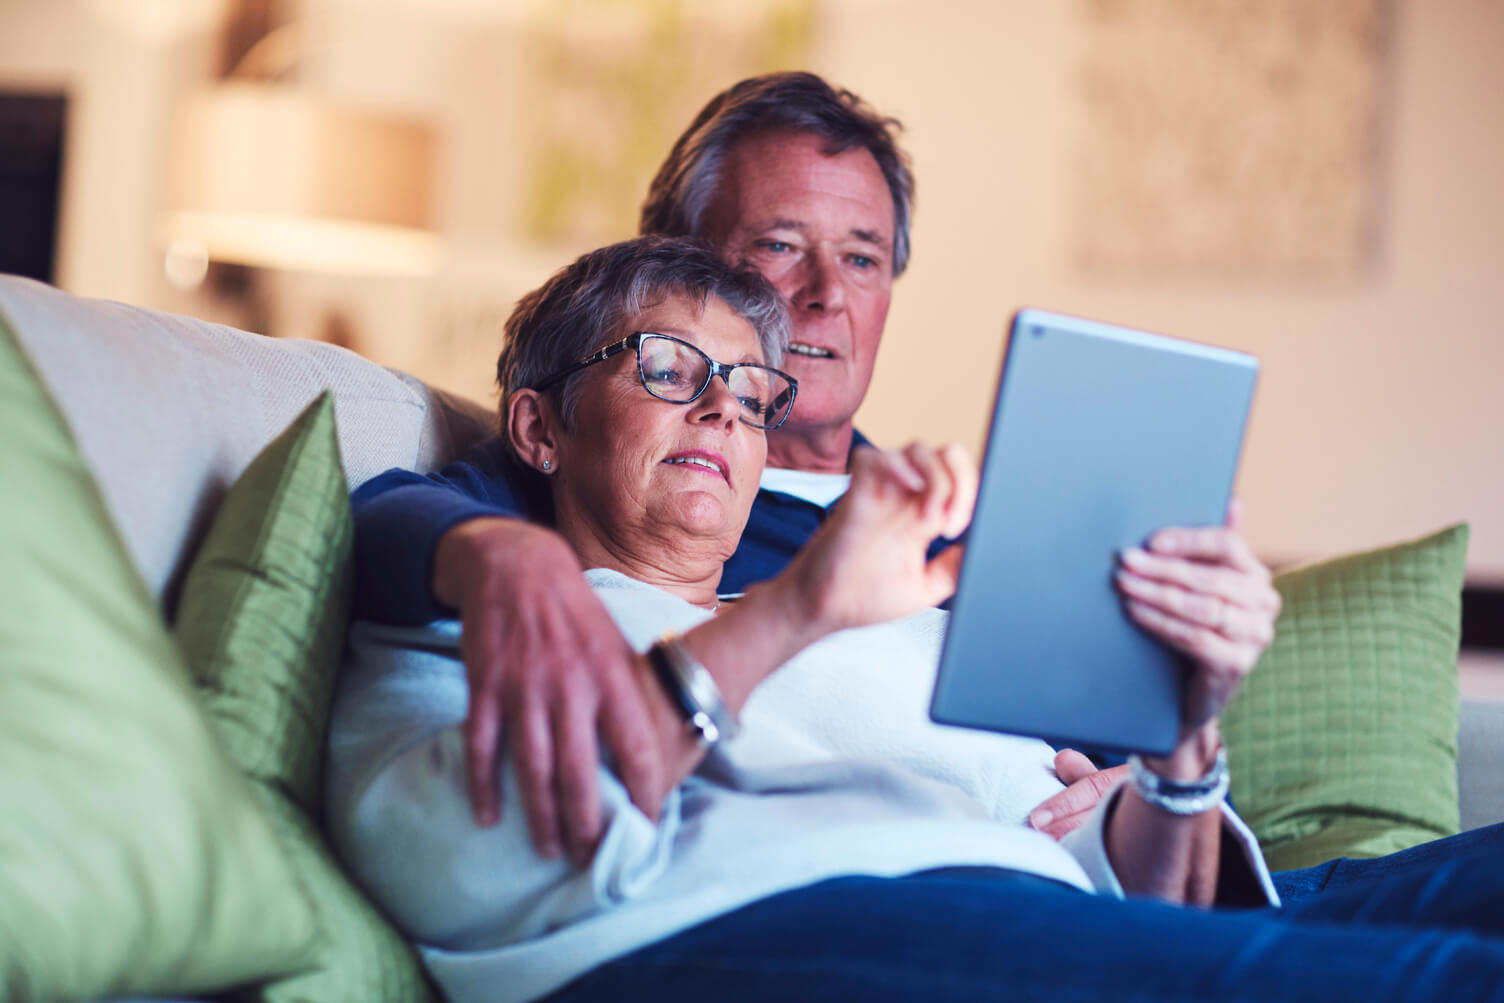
(265, 603)
(364, 957)
(261, 623)
(1343, 742)
(134, 858)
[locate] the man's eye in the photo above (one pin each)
(862, 261)
(777, 246)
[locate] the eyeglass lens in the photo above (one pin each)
(679, 372)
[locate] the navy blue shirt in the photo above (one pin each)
(400, 516)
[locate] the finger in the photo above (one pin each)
(1248, 589)
(963, 496)
(1081, 796)
(482, 729)
(1071, 766)
(943, 572)
(1061, 827)
(533, 751)
(938, 486)
(1235, 514)
(1206, 646)
(578, 758)
(1229, 619)
(1214, 544)
(889, 465)
(628, 734)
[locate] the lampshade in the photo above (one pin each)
(265, 174)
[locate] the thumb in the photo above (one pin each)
(1235, 514)
(1071, 766)
(944, 571)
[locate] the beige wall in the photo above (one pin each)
(1379, 413)
(1377, 416)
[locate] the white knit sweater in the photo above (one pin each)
(837, 771)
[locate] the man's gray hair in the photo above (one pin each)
(585, 306)
(800, 102)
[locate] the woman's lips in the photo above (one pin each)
(710, 463)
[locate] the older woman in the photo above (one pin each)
(833, 843)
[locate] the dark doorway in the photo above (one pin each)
(31, 172)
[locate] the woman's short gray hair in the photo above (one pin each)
(585, 306)
(800, 102)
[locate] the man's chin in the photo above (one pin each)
(814, 417)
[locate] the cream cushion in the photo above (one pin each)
(167, 411)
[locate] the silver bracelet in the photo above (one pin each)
(1191, 797)
(693, 690)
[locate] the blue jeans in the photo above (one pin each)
(1424, 925)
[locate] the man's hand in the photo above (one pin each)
(547, 667)
(1085, 786)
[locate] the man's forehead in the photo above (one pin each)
(789, 180)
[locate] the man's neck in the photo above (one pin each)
(823, 450)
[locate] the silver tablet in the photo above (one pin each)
(1100, 436)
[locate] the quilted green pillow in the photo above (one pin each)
(134, 858)
(261, 623)
(265, 604)
(1343, 742)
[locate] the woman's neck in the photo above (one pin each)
(689, 569)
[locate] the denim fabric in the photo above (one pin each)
(1296, 887)
(1430, 927)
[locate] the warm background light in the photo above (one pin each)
(268, 175)
(1363, 268)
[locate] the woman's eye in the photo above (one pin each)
(777, 246)
(754, 408)
(671, 377)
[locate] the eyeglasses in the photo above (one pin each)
(678, 372)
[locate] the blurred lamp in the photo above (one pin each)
(268, 175)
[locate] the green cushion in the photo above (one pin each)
(1343, 742)
(364, 957)
(134, 858)
(265, 603)
(261, 622)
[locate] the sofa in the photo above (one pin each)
(171, 861)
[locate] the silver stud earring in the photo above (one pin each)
(548, 464)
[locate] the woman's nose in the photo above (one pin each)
(717, 403)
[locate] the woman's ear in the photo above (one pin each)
(533, 426)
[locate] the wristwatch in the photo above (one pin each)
(693, 690)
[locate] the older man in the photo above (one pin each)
(804, 183)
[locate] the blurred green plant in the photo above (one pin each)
(610, 84)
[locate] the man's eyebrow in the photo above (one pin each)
(783, 224)
(875, 237)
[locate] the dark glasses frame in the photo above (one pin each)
(713, 369)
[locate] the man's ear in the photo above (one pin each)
(534, 426)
